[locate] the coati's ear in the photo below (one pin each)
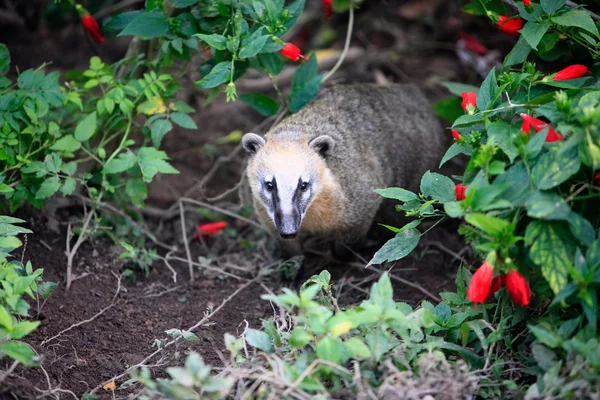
(252, 143)
(323, 145)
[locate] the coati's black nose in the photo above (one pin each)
(288, 235)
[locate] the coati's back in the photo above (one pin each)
(328, 158)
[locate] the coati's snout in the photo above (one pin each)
(285, 178)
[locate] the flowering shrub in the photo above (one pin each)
(528, 197)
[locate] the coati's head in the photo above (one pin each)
(286, 176)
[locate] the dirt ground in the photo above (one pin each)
(104, 325)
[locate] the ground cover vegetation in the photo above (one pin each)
(522, 324)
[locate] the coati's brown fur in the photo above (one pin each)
(379, 136)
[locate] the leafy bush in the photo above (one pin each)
(529, 196)
(16, 280)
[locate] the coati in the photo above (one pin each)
(314, 173)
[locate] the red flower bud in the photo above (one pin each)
(597, 179)
(469, 101)
(90, 24)
(497, 283)
(327, 8)
(518, 287)
(479, 287)
(571, 72)
(460, 191)
(209, 229)
(537, 125)
(292, 52)
(473, 45)
(456, 135)
(509, 26)
(526, 3)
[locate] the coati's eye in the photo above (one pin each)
(270, 186)
(304, 186)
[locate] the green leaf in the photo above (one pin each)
(263, 104)
(120, 164)
(357, 347)
(329, 349)
(23, 329)
(158, 130)
(438, 187)
(183, 120)
(549, 6)
(458, 88)
(259, 339)
(536, 143)
(4, 59)
(86, 128)
(550, 339)
(272, 63)
(253, 44)
(500, 132)
(45, 289)
(552, 249)
(147, 25)
(579, 18)
(395, 193)
(217, 76)
(67, 144)
(20, 352)
(581, 228)
(5, 319)
(299, 337)
(190, 336)
(68, 187)
(136, 190)
(215, 41)
(9, 243)
(398, 247)
(491, 225)
(305, 85)
(152, 162)
(468, 120)
(488, 91)
(48, 188)
(518, 54)
(183, 3)
(553, 168)
(533, 32)
(547, 206)
(453, 151)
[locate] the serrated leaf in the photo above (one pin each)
(158, 130)
(68, 186)
(86, 128)
(147, 25)
(217, 76)
(438, 187)
(491, 225)
(398, 247)
(20, 352)
(152, 162)
(259, 339)
(357, 347)
(183, 120)
(547, 206)
(263, 104)
(120, 164)
(190, 336)
(395, 193)
(48, 188)
(23, 329)
(581, 228)
(552, 249)
(299, 337)
(67, 144)
(5, 318)
(534, 31)
(579, 18)
(553, 169)
(329, 349)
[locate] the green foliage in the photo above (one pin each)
(17, 280)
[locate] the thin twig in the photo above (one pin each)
(185, 240)
(6, 373)
(346, 46)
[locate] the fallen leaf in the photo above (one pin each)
(110, 386)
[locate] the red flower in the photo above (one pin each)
(497, 283)
(460, 191)
(292, 52)
(473, 45)
(455, 135)
(518, 288)
(537, 125)
(597, 179)
(526, 3)
(209, 229)
(479, 287)
(571, 72)
(509, 26)
(90, 24)
(327, 8)
(469, 101)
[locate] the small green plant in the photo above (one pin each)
(17, 280)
